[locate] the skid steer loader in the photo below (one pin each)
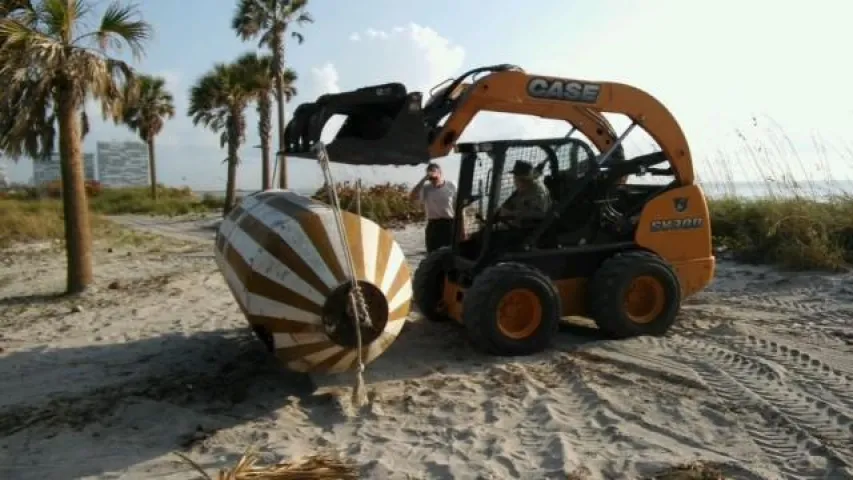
(623, 254)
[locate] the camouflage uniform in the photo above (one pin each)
(530, 203)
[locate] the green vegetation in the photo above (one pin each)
(794, 232)
(797, 232)
(147, 106)
(170, 202)
(53, 57)
(218, 101)
(387, 204)
(30, 215)
(269, 21)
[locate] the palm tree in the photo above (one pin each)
(49, 65)
(147, 106)
(270, 19)
(40, 133)
(218, 101)
(259, 73)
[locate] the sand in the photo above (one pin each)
(757, 377)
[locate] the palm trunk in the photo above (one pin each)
(152, 166)
(231, 179)
(78, 235)
(265, 112)
(231, 182)
(278, 68)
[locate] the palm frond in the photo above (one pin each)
(289, 78)
(303, 18)
(269, 19)
(119, 26)
(43, 55)
(84, 124)
(148, 104)
(250, 18)
(331, 466)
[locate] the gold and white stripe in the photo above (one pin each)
(281, 256)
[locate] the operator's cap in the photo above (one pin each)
(522, 169)
(433, 167)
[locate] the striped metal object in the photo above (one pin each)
(282, 258)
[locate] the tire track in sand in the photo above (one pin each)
(808, 304)
(588, 417)
(805, 437)
(837, 384)
(568, 415)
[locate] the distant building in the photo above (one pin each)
(46, 170)
(123, 164)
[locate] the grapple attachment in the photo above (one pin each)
(384, 126)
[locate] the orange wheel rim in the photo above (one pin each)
(519, 313)
(645, 299)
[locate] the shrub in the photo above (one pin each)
(54, 189)
(387, 204)
(25, 221)
(137, 200)
(793, 232)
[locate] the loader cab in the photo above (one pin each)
(485, 183)
(590, 204)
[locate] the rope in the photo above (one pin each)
(356, 297)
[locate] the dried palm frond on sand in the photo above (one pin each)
(314, 467)
(696, 470)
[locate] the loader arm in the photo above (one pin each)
(579, 102)
(387, 125)
(588, 122)
(451, 98)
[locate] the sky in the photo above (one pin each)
(760, 87)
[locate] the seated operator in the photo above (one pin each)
(529, 201)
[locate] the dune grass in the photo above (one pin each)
(170, 201)
(30, 215)
(795, 232)
(789, 229)
(131, 200)
(798, 233)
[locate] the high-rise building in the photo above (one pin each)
(46, 170)
(123, 164)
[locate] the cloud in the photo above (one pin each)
(372, 33)
(324, 79)
(355, 37)
(419, 57)
(743, 93)
(733, 83)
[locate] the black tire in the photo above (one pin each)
(480, 310)
(610, 286)
(428, 285)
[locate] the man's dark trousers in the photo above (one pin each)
(439, 233)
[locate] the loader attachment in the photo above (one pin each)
(384, 126)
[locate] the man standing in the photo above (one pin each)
(439, 197)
